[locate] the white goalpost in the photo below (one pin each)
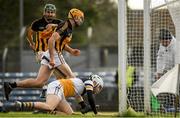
(122, 49)
(122, 32)
(138, 44)
(147, 51)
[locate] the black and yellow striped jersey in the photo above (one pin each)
(41, 39)
(65, 31)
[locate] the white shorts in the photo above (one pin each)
(58, 58)
(39, 56)
(55, 88)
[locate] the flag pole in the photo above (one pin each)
(176, 104)
(177, 92)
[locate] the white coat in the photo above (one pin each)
(166, 57)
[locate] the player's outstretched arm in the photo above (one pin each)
(74, 52)
(91, 101)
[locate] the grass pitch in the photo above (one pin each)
(77, 115)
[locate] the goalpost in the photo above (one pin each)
(138, 43)
(122, 49)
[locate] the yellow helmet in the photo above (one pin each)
(76, 14)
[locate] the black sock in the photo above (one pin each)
(13, 85)
(52, 112)
(27, 106)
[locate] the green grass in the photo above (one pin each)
(78, 115)
(31, 115)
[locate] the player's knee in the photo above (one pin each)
(51, 109)
(69, 113)
(39, 83)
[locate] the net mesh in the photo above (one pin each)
(174, 9)
(135, 57)
(164, 15)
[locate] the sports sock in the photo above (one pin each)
(52, 112)
(27, 106)
(13, 84)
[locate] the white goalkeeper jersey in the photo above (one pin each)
(166, 57)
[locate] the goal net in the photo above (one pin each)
(164, 14)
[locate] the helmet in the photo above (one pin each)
(76, 14)
(98, 83)
(50, 7)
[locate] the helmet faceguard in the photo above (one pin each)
(98, 83)
(77, 15)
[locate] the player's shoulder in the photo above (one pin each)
(57, 21)
(63, 27)
(84, 78)
(61, 23)
(88, 84)
(77, 81)
(38, 20)
(87, 81)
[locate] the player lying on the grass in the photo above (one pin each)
(52, 58)
(59, 90)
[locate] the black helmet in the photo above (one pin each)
(49, 7)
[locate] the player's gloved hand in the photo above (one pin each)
(86, 109)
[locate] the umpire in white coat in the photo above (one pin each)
(166, 53)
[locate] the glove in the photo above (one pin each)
(86, 109)
(83, 104)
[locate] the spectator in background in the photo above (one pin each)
(131, 79)
(131, 76)
(165, 62)
(166, 53)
